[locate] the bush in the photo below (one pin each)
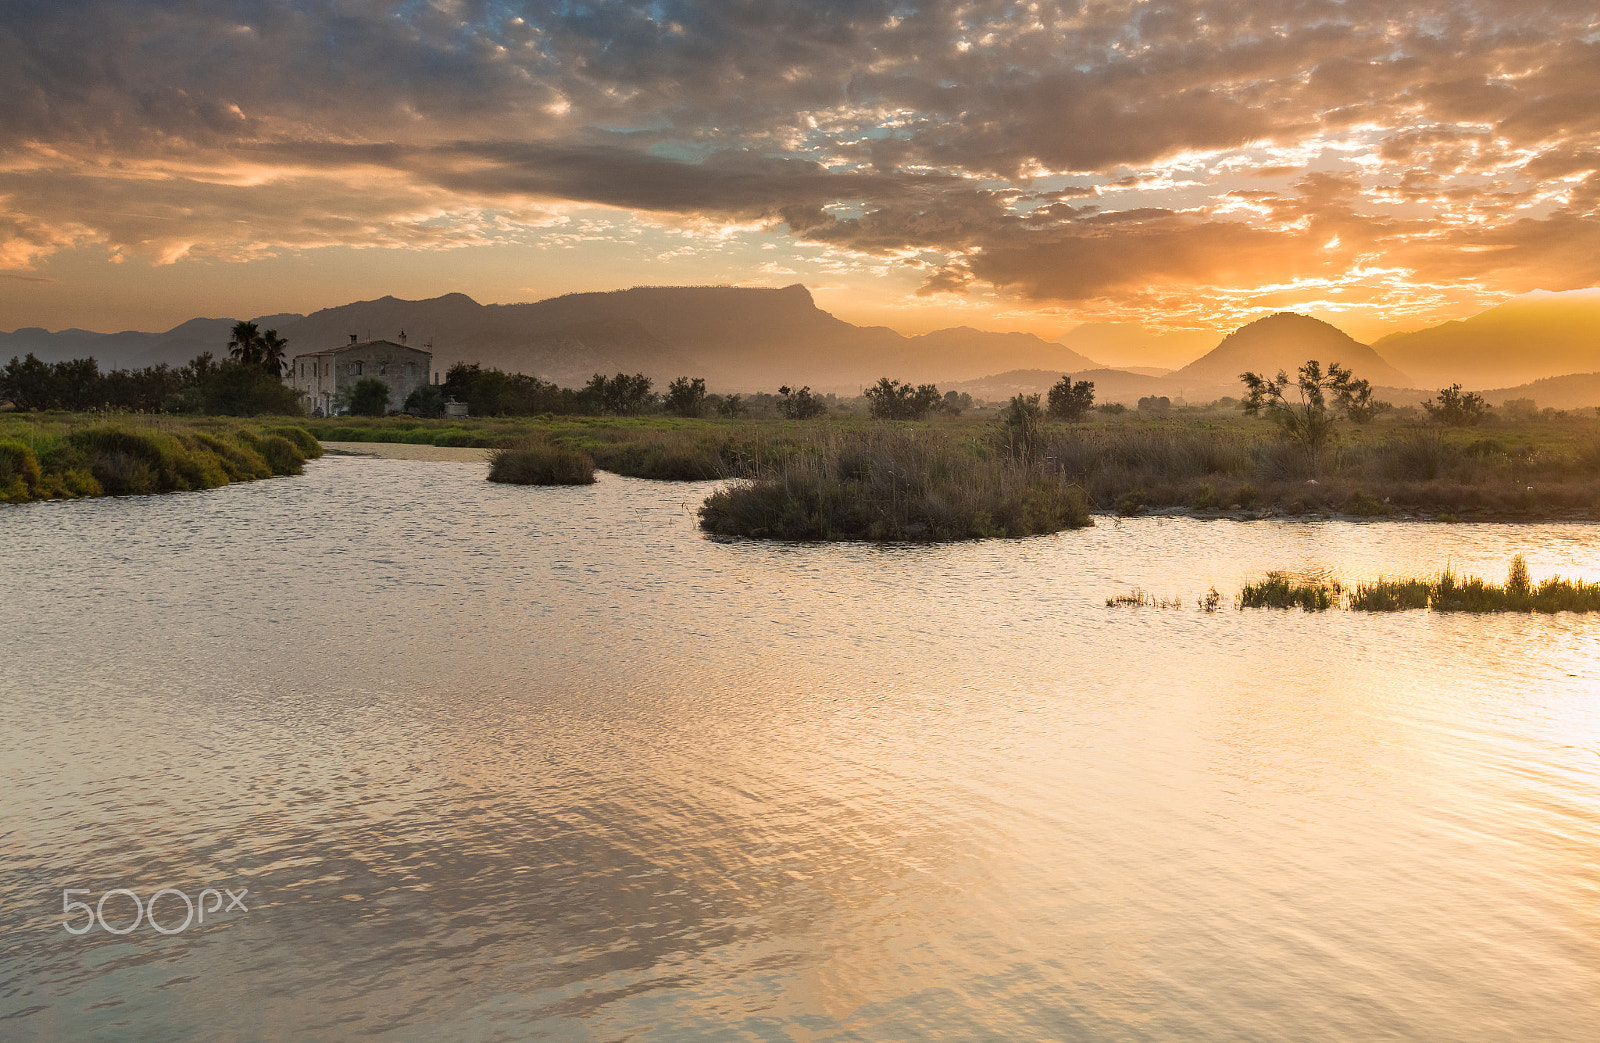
(1071, 401)
(368, 396)
(303, 440)
(1456, 409)
(279, 453)
(20, 477)
(540, 463)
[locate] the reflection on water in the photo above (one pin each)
(502, 763)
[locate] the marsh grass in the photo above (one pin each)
(69, 457)
(533, 462)
(1280, 590)
(1451, 593)
(896, 483)
(1138, 598)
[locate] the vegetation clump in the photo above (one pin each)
(65, 460)
(540, 463)
(1456, 409)
(1138, 598)
(1280, 590)
(1451, 593)
(896, 485)
(1071, 400)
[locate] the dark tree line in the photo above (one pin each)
(201, 385)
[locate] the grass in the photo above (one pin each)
(65, 456)
(1280, 590)
(1451, 593)
(1140, 599)
(896, 482)
(1445, 592)
(540, 463)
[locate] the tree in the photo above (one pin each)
(1310, 421)
(732, 407)
(954, 402)
(1071, 401)
(892, 400)
(1458, 410)
(800, 405)
(270, 347)
(234, 389)
(244, 344)
(1020, 421)
(686, 397)
(426, 400)
(368, 396)
(621, 394)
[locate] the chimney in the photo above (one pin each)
(402, 338)
(352, 338)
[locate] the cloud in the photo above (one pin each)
(1059, 152)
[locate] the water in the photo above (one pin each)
(506, 763)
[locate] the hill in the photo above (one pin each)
(1536, 335)
(1572, 391)
(1284, 341)
(739, 338)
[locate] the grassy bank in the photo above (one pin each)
(64, 456)
(1210, 464)
(1445, 592)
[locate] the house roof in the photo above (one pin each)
(364, 344)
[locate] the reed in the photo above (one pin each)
(896, 484)
(532, 462)
(1280, 590)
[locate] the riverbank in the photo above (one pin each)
(67, 456)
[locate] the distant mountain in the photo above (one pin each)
(1572, 391)
(131, 349)
(1110, 385)
(1536, 335)
(1285, 341)
(949, 354)
(738, 338)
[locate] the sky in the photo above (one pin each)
(1025, 166)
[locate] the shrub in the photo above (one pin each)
(303, 440)
(1205, 498)
(279, 453)
(20, 477)
(540, 463)
(1071, 401)
(1452, 407)
(1363, 506)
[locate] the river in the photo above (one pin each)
(493, 763)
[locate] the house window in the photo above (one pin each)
(302, 371)
(383, 369)
(355, 369)
(411, 369)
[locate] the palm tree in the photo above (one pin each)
(244, 345)
(272, 346)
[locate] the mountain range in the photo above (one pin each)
(748, 339)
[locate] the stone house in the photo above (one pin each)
(319, 376)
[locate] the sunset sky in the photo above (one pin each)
(1004, 165)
